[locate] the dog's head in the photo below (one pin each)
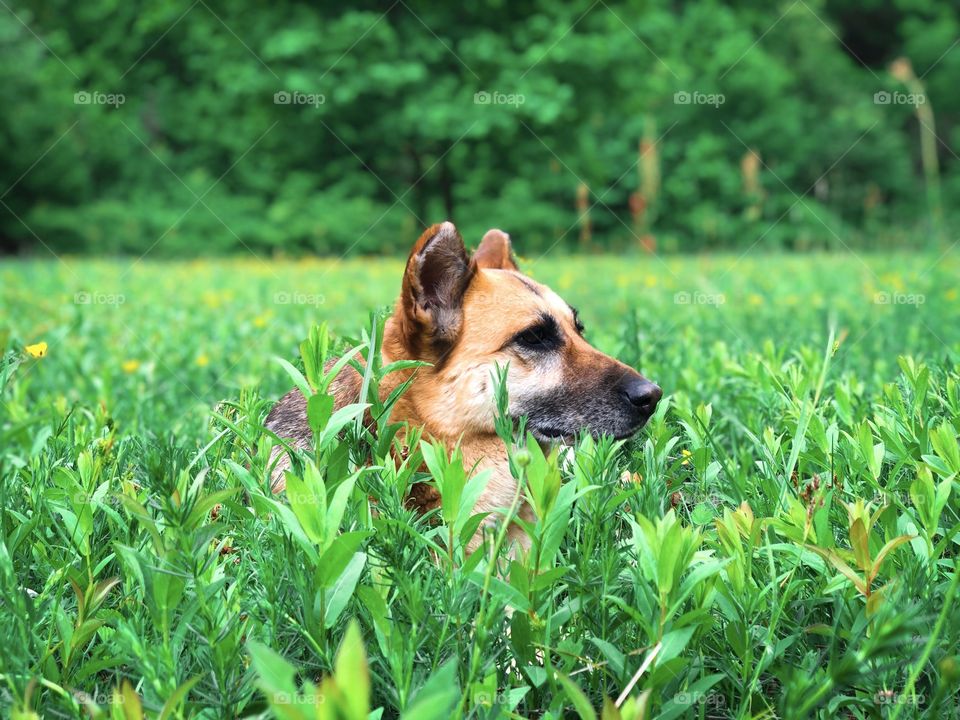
(465, 315)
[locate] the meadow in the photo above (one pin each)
(781, 540)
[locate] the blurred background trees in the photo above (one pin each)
(176, 128)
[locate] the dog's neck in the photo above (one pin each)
(482, 450)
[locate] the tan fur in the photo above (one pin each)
(460, 314)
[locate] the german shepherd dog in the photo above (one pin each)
(464, 316)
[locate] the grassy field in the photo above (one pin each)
(780, 541)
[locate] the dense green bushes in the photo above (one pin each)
(493, 114)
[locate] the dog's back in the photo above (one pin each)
(288, 419)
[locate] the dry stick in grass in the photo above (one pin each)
(902, 70)
(636, 676)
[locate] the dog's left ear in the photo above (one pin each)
(495, 252)
(437, 275)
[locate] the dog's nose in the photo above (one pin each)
(642, 394)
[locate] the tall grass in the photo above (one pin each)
(780, 541)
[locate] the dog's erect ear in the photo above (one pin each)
(437, 275)
(495, 251)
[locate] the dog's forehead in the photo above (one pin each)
(511, 292)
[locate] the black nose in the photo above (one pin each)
(642, 394)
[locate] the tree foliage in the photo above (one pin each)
(602, 124)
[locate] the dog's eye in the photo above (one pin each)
(541, 337)
(577, 323)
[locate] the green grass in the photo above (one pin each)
(784, 532)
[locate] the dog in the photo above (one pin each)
(465, 315)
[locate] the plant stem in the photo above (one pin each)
(931, 641)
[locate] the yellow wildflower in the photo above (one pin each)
(203, 360)
(37, 350)
(130, 366)
(755, 299)
(686, 455)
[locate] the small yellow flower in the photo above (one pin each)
(951, 294)
(260, 321)
(203, 360)
(895, 280)
(38, 350)
(685, 454)
(130, 366)
(755, 299)
(650, 281)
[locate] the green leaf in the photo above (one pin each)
(435, 698)
(688, 701)
(673, 644)
(338, 504)
(702, 514)
(944, 441)
(352, 674)
(288, 519)
(308, 500)
(579, 701)
(339, 420)
(177, 697)
(338, 554)
(275, 675)
(847, 571)
(319, 410)
(886, 550)
(860, 542)
(922, 495)
(298, 379)
(502, 592)
(471, 493)
(342, 590)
